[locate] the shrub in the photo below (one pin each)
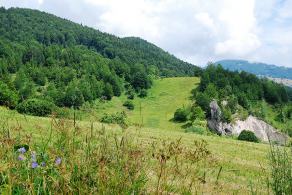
(197, 113)
(196, 129)
(131, 96)
(249, 136)
(130, 93)
(143, 93)
(226, 115)
(203, 100)
(8, 97)
(129, 105)
(181, 115)
(36, 107)
(117, 118)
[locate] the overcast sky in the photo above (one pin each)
(197, 31)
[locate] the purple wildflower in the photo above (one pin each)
(34, 165)
(58, 161)
(21, 150)
(33, 157)
(43, 164)
(21, 157)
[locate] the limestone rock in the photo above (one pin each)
(215, 111)
(262, 130)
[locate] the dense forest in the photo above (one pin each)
(240, 92)
(46, 61)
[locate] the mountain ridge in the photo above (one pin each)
(257, 68)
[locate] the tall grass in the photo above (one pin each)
(71, 159)
(280, 180)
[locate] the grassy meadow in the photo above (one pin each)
(157, 158)
(157, 109)
(231, 166)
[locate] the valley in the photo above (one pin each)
(87, 112)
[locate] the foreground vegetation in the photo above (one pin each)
(90, 157)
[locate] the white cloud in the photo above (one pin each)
(195, 30)
(205, 19)
(238, 19)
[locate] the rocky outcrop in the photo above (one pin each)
(262, 130)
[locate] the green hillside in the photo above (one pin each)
(242, 163)
(47, 62)
(229, 166)
(157, 109)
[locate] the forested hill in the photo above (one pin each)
(46, 60)
(24, 25)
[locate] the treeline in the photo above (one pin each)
(45, 61)
(231, 89)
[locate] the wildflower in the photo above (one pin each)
(21, 150)
(33, 156)
(21, 157)
(34, 165)
(58, 161)
(43, 164)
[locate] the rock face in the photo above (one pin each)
(262, 130)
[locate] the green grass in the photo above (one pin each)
(157, 109)
(243, 165)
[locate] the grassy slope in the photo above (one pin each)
(241, 162)
(157, 109)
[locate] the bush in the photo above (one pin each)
(117, 118)
(143, 93)
(197, 113)
(129, 105)
(130, 93)
(181, 115)
(196, 129)
(226, 115)
(36, 107)
(8, 97)
(249, 136)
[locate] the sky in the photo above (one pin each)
(197, 31)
